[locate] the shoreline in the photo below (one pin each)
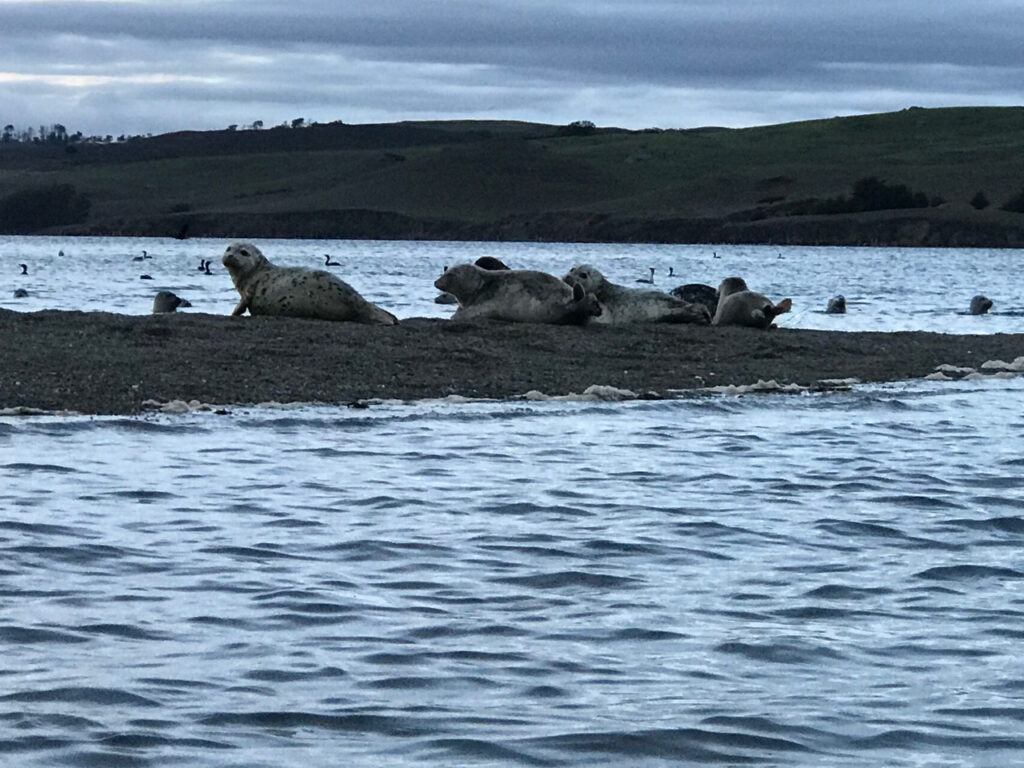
(110, 364)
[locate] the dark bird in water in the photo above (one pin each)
(671, 271)
(142, 257)
(202, 265)
(649, 280)
(145, 277)
(206, 268)
(714, 255)
(329, 263)
(60, 252)
(20, 293)
(24, 268)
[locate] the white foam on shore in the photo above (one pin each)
(593, 393)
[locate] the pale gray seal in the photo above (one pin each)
(698, 293)
(738, 305)
(517, 295)
(836, 305)
(165, 301)
(620, 304)
(980, 304)
(266, 289)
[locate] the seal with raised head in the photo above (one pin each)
(266, 289)
(980, 304)
(517, 295)
(836, 305)
(165, 301)
(738, 305)
(620, 304)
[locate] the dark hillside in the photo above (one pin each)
(915, 177)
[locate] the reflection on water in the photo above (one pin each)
(785, 580)
(886, 288)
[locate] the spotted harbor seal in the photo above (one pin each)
(517, 295)
(165, 301)
(620, 304)
(836, 305)
(266, 289)
(980, 304)
(698, 293)
(738, 305)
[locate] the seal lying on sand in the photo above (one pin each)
(620, 304)
(836, 305)
(165, 301)
(738, 305)
(980, 304)
(266, 289)
(484, 262)
(518, 295)
(698, 293)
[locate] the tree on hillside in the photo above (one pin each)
(979, 201)
(8, 135)
(298, 122)
(1015, 203)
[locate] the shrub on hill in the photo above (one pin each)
(979, 201)
(873, 194)
(1015, 203)
(31, 210)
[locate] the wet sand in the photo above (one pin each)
(103, 363)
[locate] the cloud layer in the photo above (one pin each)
(150, 66)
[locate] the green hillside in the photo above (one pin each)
(792, 183)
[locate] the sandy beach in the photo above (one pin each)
(103, 363)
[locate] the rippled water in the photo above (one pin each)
(788, 580)
(785, 580)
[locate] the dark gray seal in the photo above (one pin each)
(980, 304)
(738, 305)
(621, 305)
(836, 305)
(165, 301)
(698, 293)
(266, 289)
(517, 295)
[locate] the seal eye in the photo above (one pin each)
(244, 252)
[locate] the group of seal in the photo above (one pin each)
(488, 289)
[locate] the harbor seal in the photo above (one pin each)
(738, 305)
(698, 293)
(516, 295)
(490, 262)
(620, 304)
(165, 301)
(266, 289)
(836, 305)
(980, 304)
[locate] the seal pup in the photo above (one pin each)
(698, 293)
(516, 295)
(738, 305)
(266, 289)
(620, 304)
(836, 305)
(980, 304)
(165, 301)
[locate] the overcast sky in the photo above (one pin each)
(153, 66)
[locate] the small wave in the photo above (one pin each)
(354, 722)
(83, 695)
(968, 573)
(563, 579)
(18, 635)
(780, 652)
(21, 466)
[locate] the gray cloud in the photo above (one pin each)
(167, 64)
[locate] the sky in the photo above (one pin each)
(154, 66)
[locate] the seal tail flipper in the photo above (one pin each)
(783, 306)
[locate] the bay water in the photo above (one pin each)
(809, 580)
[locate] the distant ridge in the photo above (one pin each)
(797, 183)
